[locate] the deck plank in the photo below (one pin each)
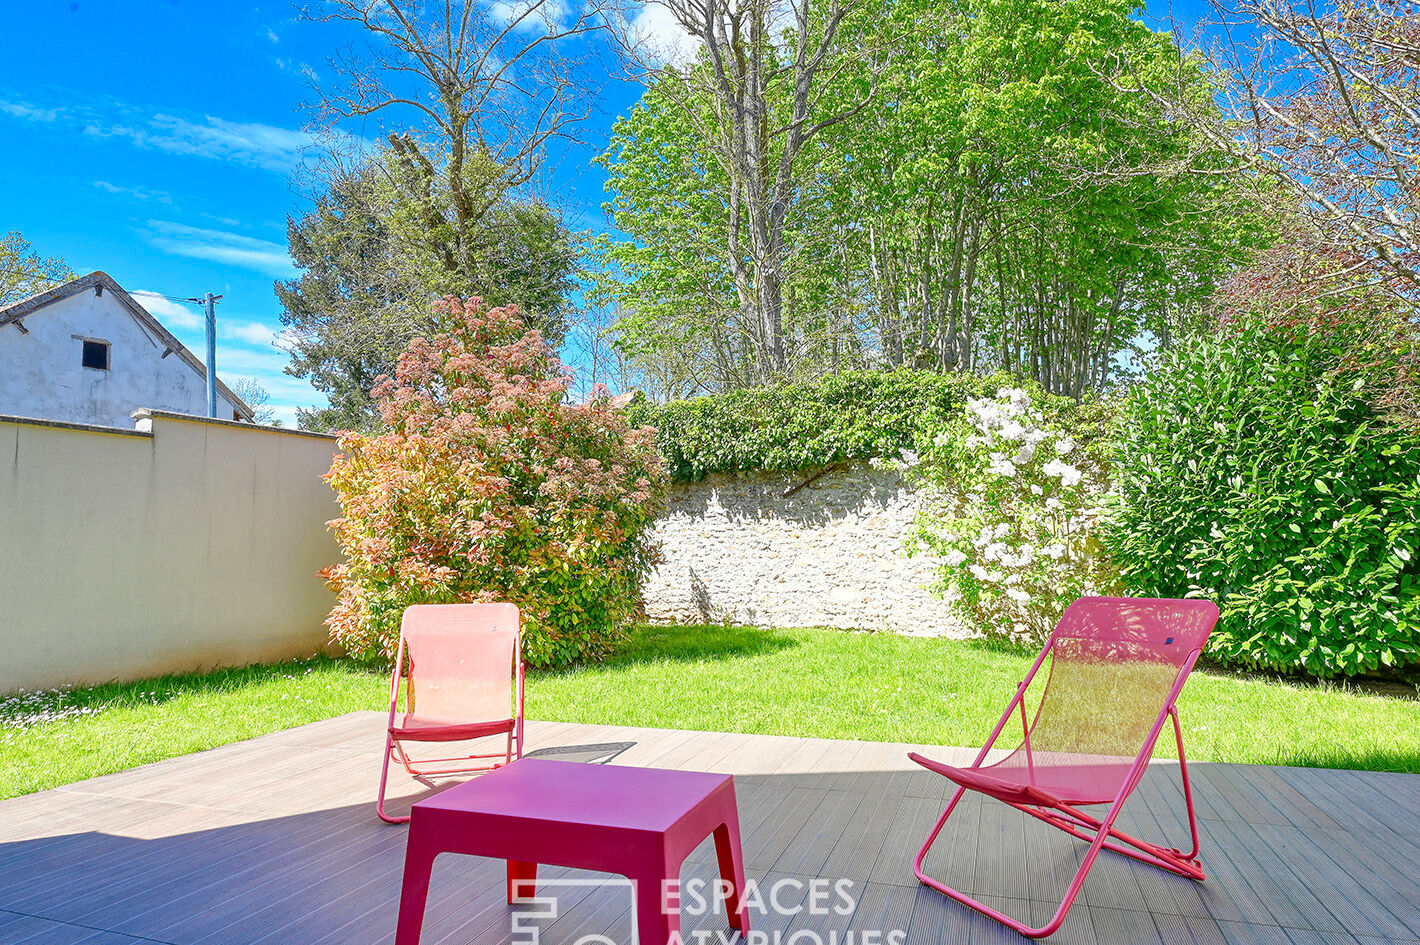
(254, 844)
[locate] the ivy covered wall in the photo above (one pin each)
(846, 416)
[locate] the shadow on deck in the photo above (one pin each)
(275, 840)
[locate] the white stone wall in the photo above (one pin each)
(831, 555)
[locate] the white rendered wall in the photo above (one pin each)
(831, 555)
(125, 555)
(42, 376)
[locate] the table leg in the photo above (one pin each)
(656, 924)
(732, 870)
(522, 880)
(414, 890)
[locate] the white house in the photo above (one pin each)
(86, 352)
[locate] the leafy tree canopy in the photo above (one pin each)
(24, 272)
(1004, 199)
(373, 257)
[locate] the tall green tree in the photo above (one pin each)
(371, 271)
(468, 98)
(755, 100)
(998, 200)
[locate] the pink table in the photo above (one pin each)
(639, 822)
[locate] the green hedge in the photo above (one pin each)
(1252, 472)
(851, 415)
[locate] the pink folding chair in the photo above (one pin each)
(1117, 666)
(464, 682)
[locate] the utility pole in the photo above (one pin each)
(209, 306)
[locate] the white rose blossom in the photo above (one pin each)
(1002, 467)
(1068, 475)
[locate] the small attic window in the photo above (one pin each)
(96, 355)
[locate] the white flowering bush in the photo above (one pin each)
(1012, 504)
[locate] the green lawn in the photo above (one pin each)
(787, 682)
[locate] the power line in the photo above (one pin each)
(209, 304)
(169, 298)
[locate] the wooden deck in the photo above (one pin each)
(275, 840)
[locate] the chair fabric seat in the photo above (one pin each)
(1116, 668)
(418, 730)
(1049, 784)
(462, 672)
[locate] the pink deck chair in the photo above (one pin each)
(1117, 667)
(464, 682)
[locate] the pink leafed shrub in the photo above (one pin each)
(488, 486)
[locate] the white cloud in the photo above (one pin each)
(271, 35)
(189, 318)
(658, 37)
(250, 143)
(253, 333)
(173, 315)
(253, 144)
(264, 365)
(137, 193)
(533, 16)
(28, 112)
(233, 249)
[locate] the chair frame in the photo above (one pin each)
(417, 767)
(1099, 833)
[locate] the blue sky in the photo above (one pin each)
(156, 140)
